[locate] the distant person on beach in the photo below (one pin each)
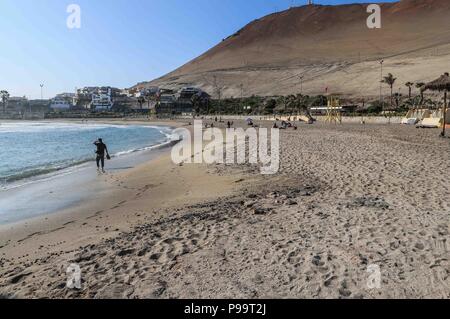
(101, 149)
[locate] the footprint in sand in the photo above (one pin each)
(119, 204)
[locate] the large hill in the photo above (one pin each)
(331, 46)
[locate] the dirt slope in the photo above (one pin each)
(330, 45)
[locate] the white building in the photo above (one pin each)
(62, 102)
(102, 100)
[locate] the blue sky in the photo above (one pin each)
(120, 42)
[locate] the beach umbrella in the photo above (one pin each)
(440, 84)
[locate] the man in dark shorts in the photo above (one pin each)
(101, 149)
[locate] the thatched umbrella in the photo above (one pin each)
(440, 84)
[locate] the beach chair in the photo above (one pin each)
(434, 120)
(415, 116)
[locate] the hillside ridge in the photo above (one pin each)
(324, 43)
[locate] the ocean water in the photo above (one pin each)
(31, 149)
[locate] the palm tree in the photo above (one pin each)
(291, 102)
(397, 99)
(281, 103)
(4, 97)
(390, 80)
(301, 103)
(414, 102)
(409, 85)
(195, 101)
(141, 100)
(298, 102)
(430, 103)
(420, 85)
(148, 97)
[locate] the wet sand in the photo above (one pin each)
(346, 198)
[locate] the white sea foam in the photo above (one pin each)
(39, 171)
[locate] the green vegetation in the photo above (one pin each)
(390, 81)
(281, 105)
(4, 96)
(409, 85)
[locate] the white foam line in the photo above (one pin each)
(75, 168)
(44, 177)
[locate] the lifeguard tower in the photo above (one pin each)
(334, 109)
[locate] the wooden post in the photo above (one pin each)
(444, 113)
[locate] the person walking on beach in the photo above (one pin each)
(101, 149)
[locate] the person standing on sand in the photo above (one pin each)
(101, 149)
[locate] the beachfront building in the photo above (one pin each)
(187, 93)
(16, 104)
(22, 104)
(83, 97)
(128, 92)
(22, 108)
(36, 109)
(62, 102)
(97, 98)
(152, 90)
(39, 105)
(147, 92)
(129, 103)
(194, 99)
(15, 107)
(180, 102)
(166, 103)
(102, 101)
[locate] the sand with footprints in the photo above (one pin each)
(346, 198)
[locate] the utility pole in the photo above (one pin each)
(218, 91)
(445, 114)
(381, 82)
(242, 97)
(301, 84)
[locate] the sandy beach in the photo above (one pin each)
(347, 197)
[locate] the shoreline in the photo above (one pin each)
(61, 188)
(42, 174)
(65, 189)
(120, 191)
